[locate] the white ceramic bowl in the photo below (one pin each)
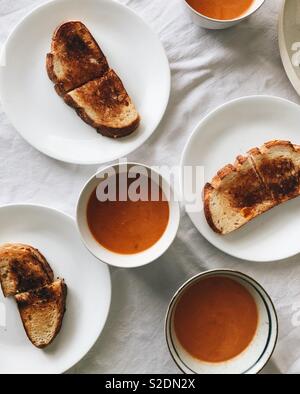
(255, 357)
(216, 24)
(132, 260)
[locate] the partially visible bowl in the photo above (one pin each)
(250, 361)
(130, 260)
(288, 38)
(216, 24)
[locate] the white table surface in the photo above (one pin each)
(208, 68)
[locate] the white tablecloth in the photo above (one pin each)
(208, 68)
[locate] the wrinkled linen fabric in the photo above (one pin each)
(208, 68)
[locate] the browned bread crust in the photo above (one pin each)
(75, 57)
(42, 312)
(208, 189)
(22, 268)
(266, 177)
(105, 105)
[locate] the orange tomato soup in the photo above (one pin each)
(221, 9)
(128, 227)
(215, 319)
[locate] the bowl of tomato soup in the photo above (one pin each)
(221, 322)
(221, 14)
(128, 215)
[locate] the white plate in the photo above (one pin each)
(289, 40)
(43, 119)
(89, 292)
(233, 129)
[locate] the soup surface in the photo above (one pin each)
(221, 9)
(216, 319)
(128, 227)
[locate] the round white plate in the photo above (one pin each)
(41, 116)
(233, 129)
(89, 292)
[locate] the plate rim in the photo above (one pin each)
(206, 117)
(53, 155)
(108, 273)
(283, 50)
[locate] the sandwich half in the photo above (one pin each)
(105, 105)
(22, 268)
(42, 312)
(75, 57)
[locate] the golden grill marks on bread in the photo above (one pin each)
(276, 163)
(75, 57)
(256, 183)
(235, 195)
(22, 268)
(26, 274)
(42, 312)
(105, 105)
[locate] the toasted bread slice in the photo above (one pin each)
(268, 176)
(22, 268)
(276, 163)
(235, 196)
(42, 312)
(105, 105)
(75, 57)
